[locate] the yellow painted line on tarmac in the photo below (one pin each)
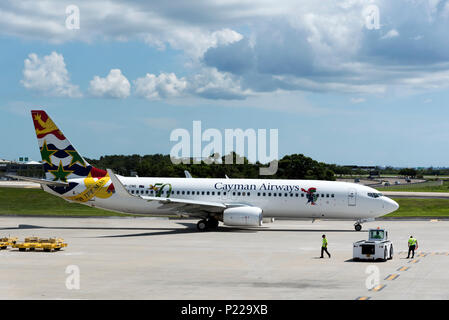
(414, 261)
(392, 276)
(403, 268)
(363, 298)
(379, 287)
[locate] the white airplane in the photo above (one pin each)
(235, 202)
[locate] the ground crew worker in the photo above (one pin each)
(412, 245)
(324, 247)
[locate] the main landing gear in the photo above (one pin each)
(207, 224)
(357, 226)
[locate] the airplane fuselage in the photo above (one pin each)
(277, 198)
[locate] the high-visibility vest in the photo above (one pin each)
(411, 241)
(324, 242)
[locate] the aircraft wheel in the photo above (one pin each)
(358, 227)
(212, 223)
(201, 225)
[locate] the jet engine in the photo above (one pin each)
(243, 216)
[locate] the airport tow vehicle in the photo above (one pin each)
(48, 245)
(377, 247)
(7, 242)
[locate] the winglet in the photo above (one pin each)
(188, 175)
(118, 186)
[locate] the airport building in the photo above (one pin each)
(23, 167)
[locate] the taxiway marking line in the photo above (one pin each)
(379, 287)
(392, 276)
(403, 268)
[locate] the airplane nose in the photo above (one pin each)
(390, 205)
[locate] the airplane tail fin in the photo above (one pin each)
(63, 162)
(60, 158)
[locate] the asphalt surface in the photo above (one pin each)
(144, 258)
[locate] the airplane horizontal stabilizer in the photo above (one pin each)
(40, 181)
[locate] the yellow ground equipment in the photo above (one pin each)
(7, 242)
(46, 244)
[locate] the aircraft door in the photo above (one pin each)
(352, 197)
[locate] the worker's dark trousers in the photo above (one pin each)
(412, 250)
(324, 249)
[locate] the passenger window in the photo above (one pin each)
(207, 192)
(183, 192)
(213, 193)
(302, 195)
(218, 193)
(238, 193)
(332, 195)
(264, 194)
(269, 194)
(243, 193)
(286, 194)
(327, 195)
(233, 193)
(274, 194)
(248, 194)
(258, 194)
(202, 193)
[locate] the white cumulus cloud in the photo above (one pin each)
(115, 85)
(165, 85)
(393, 33)
(48, 75)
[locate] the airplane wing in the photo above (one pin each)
(41, 181)
(190, 207)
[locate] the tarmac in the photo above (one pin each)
(148, 258)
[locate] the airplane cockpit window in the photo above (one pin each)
(374, 194)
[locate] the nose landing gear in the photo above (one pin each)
(358, 223)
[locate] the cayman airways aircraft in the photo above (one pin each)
(235, 202)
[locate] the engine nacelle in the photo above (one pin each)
(243, 216)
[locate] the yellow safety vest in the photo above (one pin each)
(411, 241)
(324, 243)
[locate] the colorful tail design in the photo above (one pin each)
(61, 160)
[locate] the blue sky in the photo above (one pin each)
(337, 90)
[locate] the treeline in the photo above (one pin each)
(412, 172)
(295, 166)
